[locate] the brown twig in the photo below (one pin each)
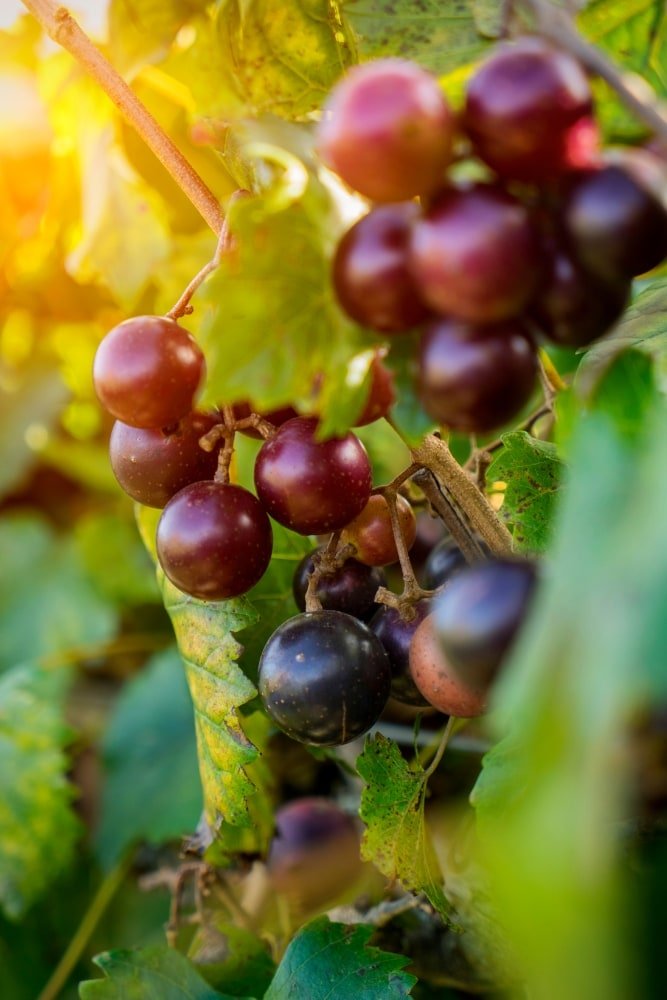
(452, 516)
(325, 563)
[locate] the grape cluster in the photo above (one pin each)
(543, 245)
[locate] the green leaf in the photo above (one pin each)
(532, 471)
(552, 795)
(116, 560)
(140, 31)
(441, 35)
(328, 961)
(147, 974)
(28, 406)
(392, 807)
(38, 829)
(150, 758)
(285, 57)
(269, 324)
(232, 958)
(407, 413)
(47, 602)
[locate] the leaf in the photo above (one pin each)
(140, 31)
(232, 958)
(407, 414)
(148, 974)
(47, 602)
(116, 561)
(532, 471)
(27, 407)
(269, 324)
(38, 829)
(284, 57)
(328, 961)
(150, 758)
(441, 36)
(392, 807)
(552, 794)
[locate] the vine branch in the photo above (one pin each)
(66, 32)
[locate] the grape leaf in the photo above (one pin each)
(392, 807)
(268, 321)
(47, 602)
(140, 31)
(551, 795)
(38, 829)
(231, 957)
(329, 961)
(284, 57)
(407, 413)
(150, 758)
(145, 974)
(532, 471)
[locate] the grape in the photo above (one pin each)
(614, 219)
(311, 486)
(381, 395)
(371, 534)
(396, 634)
(478, 615)
(529, 112)
(351, 589)
(476, 254)
(387, 130)
(574, 307)
(430, 531)
(437, 682)
(152, 465)
(475, 378)
(324, 678)
(370, 270)
(214, 540)
(276, 417)
(445, 559)
(147, 371)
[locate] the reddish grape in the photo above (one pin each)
(152, 465)
(214, 540)
(529, 112)
(476, 254)
(381, 395)
(371, 534)
(396, 635)
(324, 678)
(147, 371)
(476, 378)
(351, 589)
(387, 130)
(276, 417)
(311, 486)
(437, 682)
(575, 307)
(615, 220)
(370, 270)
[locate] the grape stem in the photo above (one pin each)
(325, 563)
(412, 592)
(63, 29)
(228, 431)
(453, 518)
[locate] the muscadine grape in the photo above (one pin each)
(476, 254)
(387, 130)
(575, 307)
(381, 395)
(437, 682)
(312, 486)
(152, 465)
(396, 633)
(475, 378)
(371, 533)
(324, 678)
(615, 220)
(371, 276)
(529, 112)
(214, 540)
(350, 589)
(446, 558)
(147, 371)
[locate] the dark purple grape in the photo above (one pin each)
(476, 254)
(324, 678)
(152, 465)
(371, 276)
(479, 613)
(387, 130)
(312, 486)
(575, 307)
(445, 559)
(476, 378)
(351, 589)
(214, 540)
(529, 112)
(396, 634)
(615, 220)
(147, 371)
